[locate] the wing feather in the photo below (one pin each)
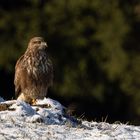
(17, 79)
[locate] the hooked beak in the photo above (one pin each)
(44, 44)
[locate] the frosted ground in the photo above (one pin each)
(48, 121)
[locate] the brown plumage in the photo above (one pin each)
(33, 72)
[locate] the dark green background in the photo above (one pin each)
(95, 48)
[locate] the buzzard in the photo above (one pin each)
(33, 72)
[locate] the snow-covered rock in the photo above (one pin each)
(48, 121)
(47, 111)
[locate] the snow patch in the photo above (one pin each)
(48, 120)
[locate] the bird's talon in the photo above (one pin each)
(33, 102)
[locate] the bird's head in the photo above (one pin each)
(37, 43)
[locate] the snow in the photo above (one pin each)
(48, 121)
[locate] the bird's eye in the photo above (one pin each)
(37, 42)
